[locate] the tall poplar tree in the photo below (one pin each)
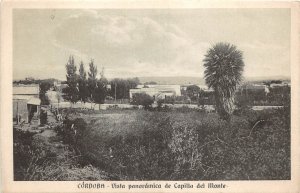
(92, 80)
(101, 90)
(72, 92)
(82, 84)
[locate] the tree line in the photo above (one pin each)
(84, 86)
(223, 65)
(87, 87)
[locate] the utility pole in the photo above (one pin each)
(58, 100)
(17, 112)
(246, 93)
(115, 92)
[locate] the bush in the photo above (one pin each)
(188, 145)
(35, 160)
(170, 100)
(23, 153)
(43, 117)
(159, 104)
(142, 99)
(72, 131)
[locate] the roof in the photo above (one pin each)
(140, 86)
(26, 90)
(34, 101)
(254, 87)
(21, 97)
(279, 85)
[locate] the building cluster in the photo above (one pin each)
(162, 91)
(156, 91)
(27, 105)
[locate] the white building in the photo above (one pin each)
(157, 91)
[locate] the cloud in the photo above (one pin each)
(151, 42)
(138, 45)
(74, 52)
(265, 59)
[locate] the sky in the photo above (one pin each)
(147, 42)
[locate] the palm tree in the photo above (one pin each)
(224, 66)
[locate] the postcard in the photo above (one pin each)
(150, 96)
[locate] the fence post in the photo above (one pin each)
(17, 112)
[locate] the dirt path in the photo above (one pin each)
(64, 161)
(48, 133)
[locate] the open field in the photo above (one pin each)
(173, 144)
(183, 144)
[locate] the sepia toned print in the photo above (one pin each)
(151, 94)
(151, 99)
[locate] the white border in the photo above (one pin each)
(8, 185)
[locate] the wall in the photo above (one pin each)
(20, 106)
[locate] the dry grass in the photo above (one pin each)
(188, 145)
(41, 157)
(171, 145)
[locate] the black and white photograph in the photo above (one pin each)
(151, 94)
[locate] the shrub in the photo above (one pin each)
(159, 104)
(43, 117)
(142, 99)
(170, 100)
(187, 145)
(72, 131)
(187, 157)
(23, 153)
(241, 103)
(35, 160)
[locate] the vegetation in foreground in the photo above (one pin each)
(39, 158)
(181, 144)
(184, 144)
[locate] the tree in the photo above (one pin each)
(82, 84)
(101, 89)
(44, 87)
(224, 66)
(92, 80)
(133, 82)
(201, 98)
(120, 87)
(142, 99)
(193, 92)
(72, 93)
(43, 117)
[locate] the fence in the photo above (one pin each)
(94, 106)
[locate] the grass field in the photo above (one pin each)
(181, 144)
(185, 144)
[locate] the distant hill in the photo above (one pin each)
(254, 79)
(34, 81)
(181, 80)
